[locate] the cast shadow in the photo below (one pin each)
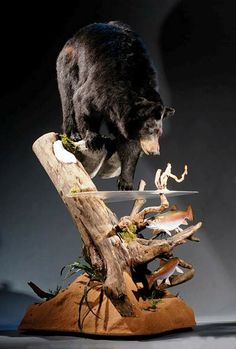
(12, 306)
(216, 330)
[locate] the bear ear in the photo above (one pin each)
(168, 111)
(145, 108)
(143, 102)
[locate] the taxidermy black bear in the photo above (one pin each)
(104, 74)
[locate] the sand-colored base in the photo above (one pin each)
(63, 313)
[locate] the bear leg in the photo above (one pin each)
(94, 141)
(88, 122)
(66, 80)
(129, 152)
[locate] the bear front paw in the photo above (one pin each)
(94, 142)
(124, 185)
(74, 136)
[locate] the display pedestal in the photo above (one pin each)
(68, 312)
(116, 254)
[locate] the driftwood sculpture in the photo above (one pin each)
(115, 248)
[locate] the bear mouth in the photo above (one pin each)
(151, 152)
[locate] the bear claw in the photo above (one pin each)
(74, 136)
(123, 185)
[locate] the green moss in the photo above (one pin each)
(74, 190)
(129, 233)
(132, 228)
(154, 299)
(128, 236)
(71, 146)
(153, 304)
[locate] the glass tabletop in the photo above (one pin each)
(117, 196)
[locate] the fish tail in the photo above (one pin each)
(150, 280)
(190, 213)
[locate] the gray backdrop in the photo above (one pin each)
(193, 46)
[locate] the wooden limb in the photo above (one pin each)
(194, 238)
(181, 237)
(161, 179)
(181, 278)
(92, 257)
(40, 293)
(157, 179)
(184, 264)
(144, 251)
(139, 202)
(91, 216)
(154, 209)
(179, 180)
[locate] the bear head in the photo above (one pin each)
(146, 124)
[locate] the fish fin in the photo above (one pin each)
(151, 227)
(167, 232)
(184, 222)
(173, 208)
(150, 280)
(178, 229)
(179, 270)
(156, 232)
(159, 281)
(167, 281)
(189, 213)
(162, 262)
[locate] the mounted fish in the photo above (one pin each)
(170, 220)
(165, 270)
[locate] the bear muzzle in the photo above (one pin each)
(150, 145)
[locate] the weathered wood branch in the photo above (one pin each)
(161, 178)
(144, 251)
(138, 219)
(92, 217)
(139, 202)
(153, 209)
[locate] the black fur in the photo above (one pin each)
(104, 73)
